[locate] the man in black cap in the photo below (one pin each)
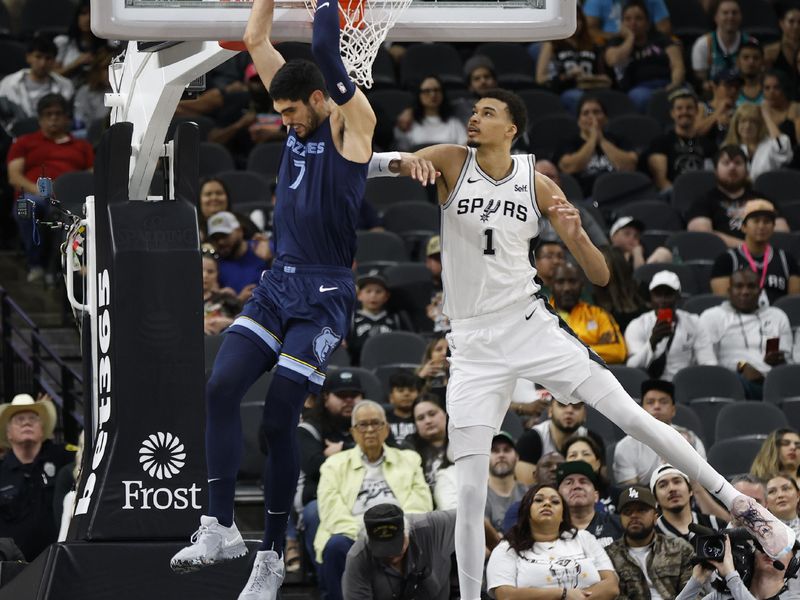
(401, 556)
(648, 564)
(504, 489)
(577, 484)
(635, 462)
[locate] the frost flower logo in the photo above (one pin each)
(162, 455)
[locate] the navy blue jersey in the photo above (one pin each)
(319, 196)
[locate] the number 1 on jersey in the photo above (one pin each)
(488, 248)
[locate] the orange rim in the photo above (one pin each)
(233, 45)
(355, 11)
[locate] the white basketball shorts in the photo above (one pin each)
(489, 353)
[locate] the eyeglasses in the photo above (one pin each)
(374, 424)
(430, 91)
(785, 443)
(25, 418)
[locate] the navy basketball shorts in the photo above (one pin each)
(301, 314)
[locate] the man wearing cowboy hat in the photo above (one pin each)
(28, 472)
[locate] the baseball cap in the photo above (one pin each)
(476, 62)
(343, 381)
(371, 278)
(636, 493)
(575, 467)
(625, 222)
(658, 384)
(434, 246)
(666, 470)
(667, 278)
(727, 76)
(222, 223)
(681, 92)
(758, 207)
(504, 436)
(385, 530)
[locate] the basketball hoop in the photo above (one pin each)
(364, 25)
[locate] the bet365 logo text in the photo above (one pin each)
(162, 456)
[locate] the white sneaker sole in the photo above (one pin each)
(183, 566)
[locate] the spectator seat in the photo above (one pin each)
(392, 347)
(748, 418)
(698, 303)
(782, 383)
(734, 456)
(214, 158)
(631, 379)
(706, 381)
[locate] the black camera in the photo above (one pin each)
(710, 545)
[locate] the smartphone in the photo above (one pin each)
(773, 345)
(269, 119)
(664, 314)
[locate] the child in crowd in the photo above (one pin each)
(372, 318)
(403, 392)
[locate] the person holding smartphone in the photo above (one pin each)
(747, 338)
(665, 340)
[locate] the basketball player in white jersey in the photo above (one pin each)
(502, 330)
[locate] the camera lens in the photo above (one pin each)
(713, 549)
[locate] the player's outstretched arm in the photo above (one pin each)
(256, 37)
(566, 220)
(353, 106)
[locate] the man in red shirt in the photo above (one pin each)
(51, 152)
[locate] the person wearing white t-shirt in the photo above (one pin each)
(545, 553)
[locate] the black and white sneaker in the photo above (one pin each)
(212, 544)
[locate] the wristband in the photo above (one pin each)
(379, 164)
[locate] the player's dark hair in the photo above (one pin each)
(403, 379)
(515, 105)
(43, 45)
(520, 536)
(51, 100)
(297, 80)
(731, 151)
(445, 108)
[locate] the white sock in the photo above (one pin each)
(623, 410)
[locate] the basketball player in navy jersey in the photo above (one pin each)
(504, 330)
(302, 307)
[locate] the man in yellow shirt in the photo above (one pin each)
(594, 326)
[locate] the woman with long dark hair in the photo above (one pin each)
(76, 49)
(544, 552)
(433, 120)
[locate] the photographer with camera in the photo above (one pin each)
(745, 572)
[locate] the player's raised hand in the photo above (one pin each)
(567, 216)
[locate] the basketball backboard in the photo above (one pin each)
(424, 20)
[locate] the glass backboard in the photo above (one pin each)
(424, 20)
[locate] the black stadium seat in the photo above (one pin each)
(707, 410)
(12, 57)
(637, 130)
(748, 418)
(549, 133)
(791, 306)
(706, 381)
(390, 103)
(655, 214)
(695, 246)
(686, 417)
(615, 189)
(615, 102)
(380, 247)
(72, 188)
(246, 188)
(779, 186)
(382, 192)
(699, 302)
(689, 187)
(214, 158)
(735, 455)
(512, 64)
(541, 103)
(782, 383)
(631, 379)
(421, 60)
(265, 159)
(46, 16)
(392, 348)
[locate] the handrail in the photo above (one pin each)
(36, 353)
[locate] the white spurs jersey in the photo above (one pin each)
(487, 227)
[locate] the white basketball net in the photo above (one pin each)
(365, 25)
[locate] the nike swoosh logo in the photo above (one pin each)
(323, 289)
(527, 317)
(323, 5)
(473, 180)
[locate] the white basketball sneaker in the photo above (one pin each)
(265, 578)
(212, 543)
(775, 537)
